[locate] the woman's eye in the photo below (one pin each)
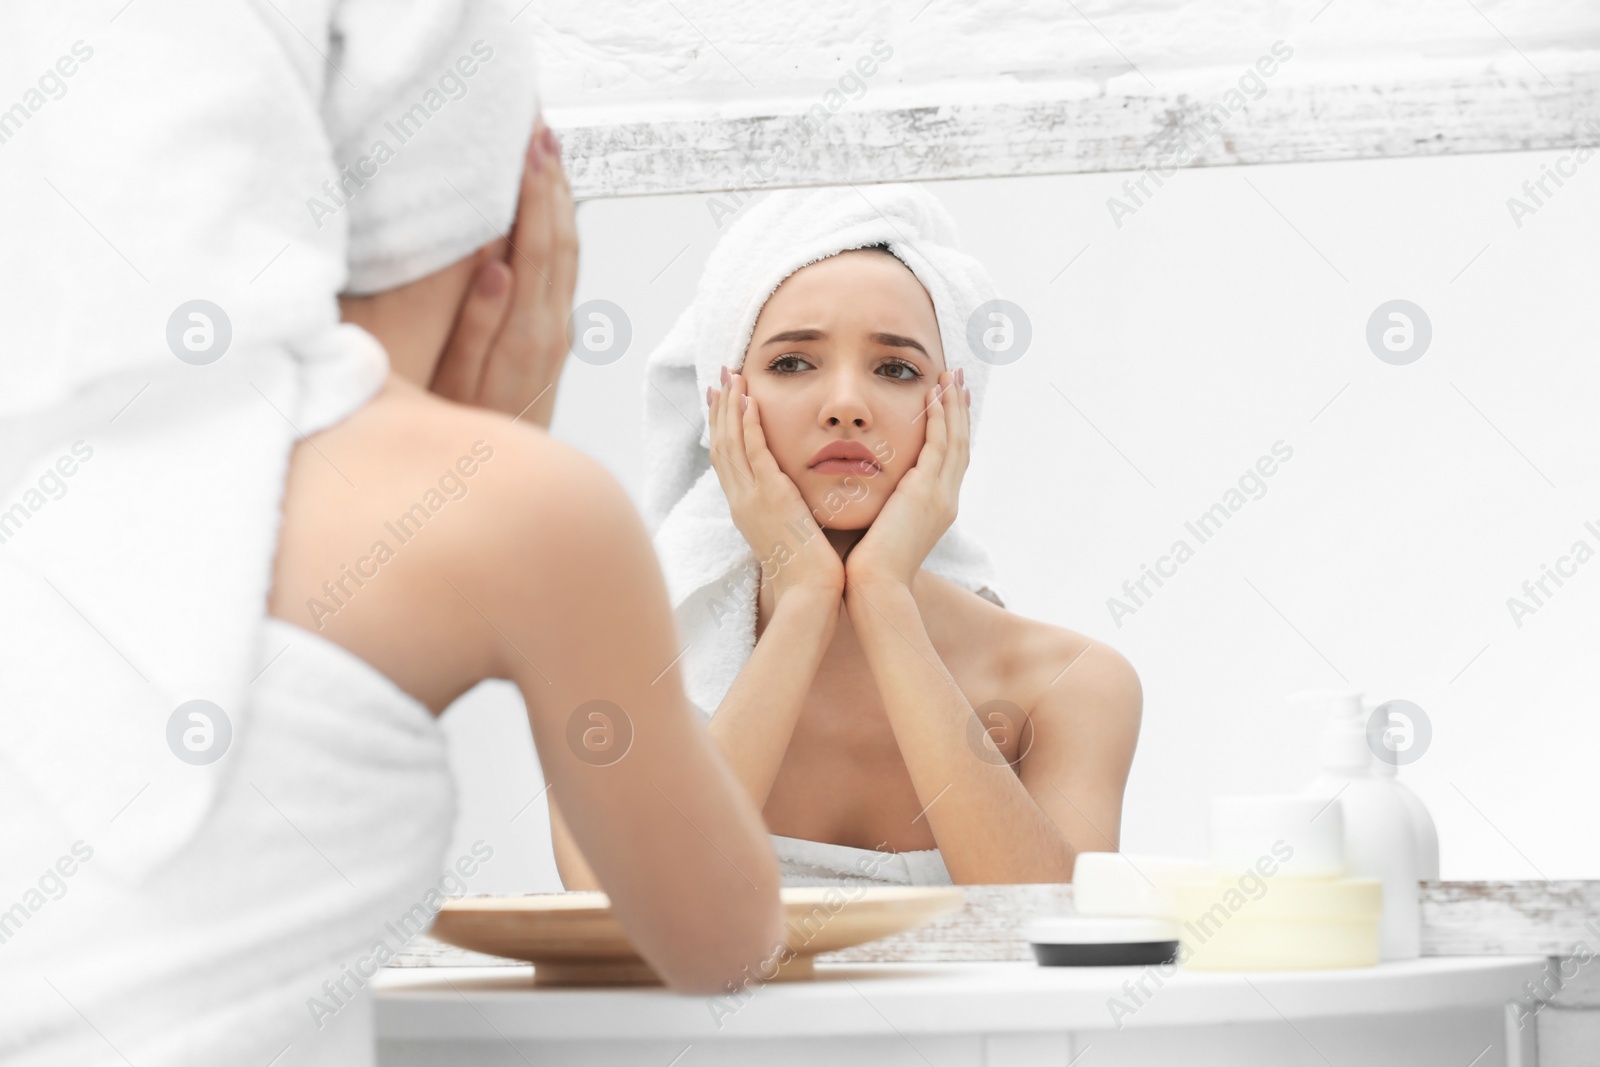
(896, 369)
(783, 364)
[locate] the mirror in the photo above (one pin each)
(1221, 456)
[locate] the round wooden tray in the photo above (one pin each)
(573, 939)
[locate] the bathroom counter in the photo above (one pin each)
(1438, 1009)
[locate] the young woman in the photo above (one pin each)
(230, 926)
(884, 707)
(532, 575)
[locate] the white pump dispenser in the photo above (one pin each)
(1421, 822)
(1379, 841)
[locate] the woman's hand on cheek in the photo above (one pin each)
(765, 503)
(509, 341)
(923, 504)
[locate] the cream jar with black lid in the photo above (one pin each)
(1101, 940)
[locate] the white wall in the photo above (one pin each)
(1227, 314)
(690, 56)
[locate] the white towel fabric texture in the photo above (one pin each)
(803, 862)
(319, 859)
(263, 157)
(712, 574)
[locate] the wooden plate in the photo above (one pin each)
(573, 939)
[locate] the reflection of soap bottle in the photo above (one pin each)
(1379, 841)
(1421, 822)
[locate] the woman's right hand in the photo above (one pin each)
(767, 506)
(510, 340)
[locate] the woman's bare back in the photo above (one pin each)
(383, 515)
(533, 567)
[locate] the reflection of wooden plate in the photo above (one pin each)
(573, 939)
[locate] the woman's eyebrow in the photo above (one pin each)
(893, 340)
(796, 335)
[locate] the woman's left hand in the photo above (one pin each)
(923, 504)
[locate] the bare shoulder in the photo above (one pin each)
(404, 425)
(405, 520)
(1087, 671)
(1044, 664)
(1083, 699)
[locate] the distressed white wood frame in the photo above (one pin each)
(1037, 132)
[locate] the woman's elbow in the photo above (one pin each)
(748, 956)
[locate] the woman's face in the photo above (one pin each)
(846, 349)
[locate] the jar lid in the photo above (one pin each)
(1270, 809)
(1099, 930)
(1112, 883)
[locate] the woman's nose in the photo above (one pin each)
(845, 405)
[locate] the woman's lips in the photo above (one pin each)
(845, 466)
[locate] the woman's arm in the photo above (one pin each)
(1085, 729)
(565, 588)
(755, 721)
(803, 591)
(993, 826)
(570, 864)
(990, 826)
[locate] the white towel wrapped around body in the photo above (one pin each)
(320, 857)
(243, 154)
(712, 575)
(803, 862)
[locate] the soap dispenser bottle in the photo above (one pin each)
(1379, 841)
(1421, 822)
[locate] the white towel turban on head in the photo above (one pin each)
(226, 152)
(712, 574)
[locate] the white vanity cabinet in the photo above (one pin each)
(1446, 1010)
